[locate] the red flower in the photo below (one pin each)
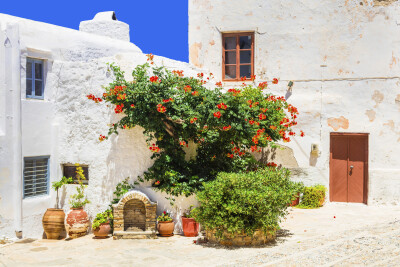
(253, 77)
(118, 108)
(193, 120)
(275, 81)
(154, 79)
(187, 88)
(262, 117)
(165, 212)
(101, 138)
(195, 93)
(154, 148)
(161, 108)
(234, 91)
(157, 183)
(178, 72)
(251, 122)
(222, 106)
(150, 57)
(132, 105)
(200, 75)
(253, 148)
(229, 155)
(272, 127)
(226, 128)
(219, 84)
(271, 164)
(263, 85)
(217, 114)
(243, 78)
(302, 134)
(292, 133)
(182, 143)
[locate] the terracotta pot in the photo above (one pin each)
(166, 228)
(53, 223)
(190, 227)
(296, 201)
(102, 231)
(77, 222)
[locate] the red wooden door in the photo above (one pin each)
(348, 167)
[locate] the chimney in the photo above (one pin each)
(106, 24)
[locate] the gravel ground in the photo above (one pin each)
(335, 235)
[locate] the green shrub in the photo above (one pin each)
(313, 197)
(237, 202)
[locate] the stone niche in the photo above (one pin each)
(134, 217)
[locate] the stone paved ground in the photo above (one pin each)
(358, 236)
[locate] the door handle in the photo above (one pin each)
(351, 169)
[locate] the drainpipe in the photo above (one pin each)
(13, 59)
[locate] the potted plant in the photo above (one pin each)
(53, 219)
(189, 225)
(101, 224)
(165, 225)
(77, 218)
(245, 208)
(296, 196)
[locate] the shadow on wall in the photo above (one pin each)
(281, 155)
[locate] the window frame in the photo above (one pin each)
(47, 176)
(237, 49)
(34, 61)
(86, 181)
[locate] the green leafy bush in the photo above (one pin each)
(236, 202)
(174, 110)
(120, 190)
(58, 184)
(313, 197)
(102, 217)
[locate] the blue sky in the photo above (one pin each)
(157, 26)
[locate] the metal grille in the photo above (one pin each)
(36, 176)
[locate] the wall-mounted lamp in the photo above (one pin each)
(290, 85)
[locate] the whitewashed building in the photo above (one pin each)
(337, 61)
(47, 123)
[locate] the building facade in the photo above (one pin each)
(47, 124)
(337, 62)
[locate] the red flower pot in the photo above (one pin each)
(77, 223)
(296, 201)
(190, 227)
(102, 231)
(166, 228)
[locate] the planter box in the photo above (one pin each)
(240, 239)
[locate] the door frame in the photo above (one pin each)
(366, 168)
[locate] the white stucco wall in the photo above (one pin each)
(66, 125)
(343, 57)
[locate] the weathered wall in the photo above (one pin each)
(66, 125)
(343, 58)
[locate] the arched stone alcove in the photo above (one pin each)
(134, 216)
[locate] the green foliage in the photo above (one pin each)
(121, 188)
(236, 202)
(189, 213)
(313, 197)
(175, 110)
(57, 185)
(164, 217)
(102, 217)
(79, 199)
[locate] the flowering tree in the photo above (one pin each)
(175, 110)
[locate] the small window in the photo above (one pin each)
(69, 170)
(237, 56)
(36, 176)
(34, 78)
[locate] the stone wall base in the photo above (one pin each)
(134, 235)
(241, 239)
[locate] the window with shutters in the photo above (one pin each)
(69, 170)
(237, 56)
(36, 176)
(34, 78)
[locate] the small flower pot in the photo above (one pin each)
(296, 201)
(190, 227)
(102, 231)
(166, 228)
